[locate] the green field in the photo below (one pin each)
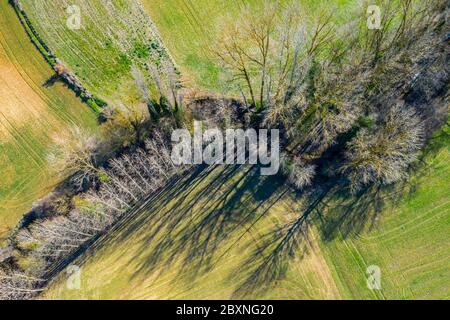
(409, 241)
(111, 38)
(30, 116)
(190, 27)
(199, 239)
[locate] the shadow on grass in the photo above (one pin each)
(333, 211)
(336, 213)
(199, 217)
(210, 207)
(51, 81)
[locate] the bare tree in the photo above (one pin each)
(299, 173)
(400, 22)
(130, 178)
(383, 155)
(73, 154)
(256, 47)
(268, 50)
(15, 285)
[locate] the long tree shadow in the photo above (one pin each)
(189, 222)
(334, 211)
(133, 220)
(51, 81)
(203, 217)
(270, 261)
(191, 219)
(349, 214)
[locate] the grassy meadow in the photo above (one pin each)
(30, 116)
